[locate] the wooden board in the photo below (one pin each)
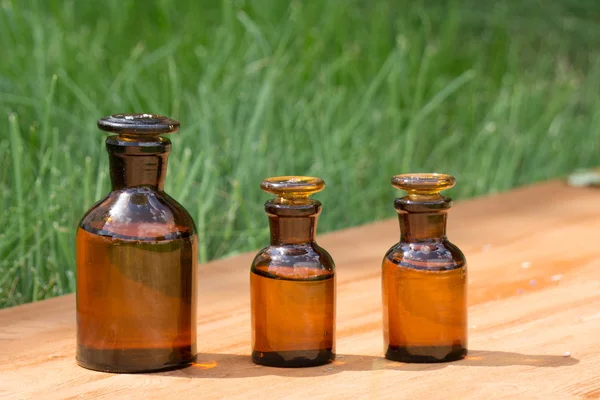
(534, 298)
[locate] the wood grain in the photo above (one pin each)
(534, 295)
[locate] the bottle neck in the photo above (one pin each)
(135, 164)
(292, 230)
(131, 171)
(417, 227)
(292, 223)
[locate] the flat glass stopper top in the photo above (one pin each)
(138, 124)
(292, 187)
(423, 186)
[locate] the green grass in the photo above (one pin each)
(353, 91)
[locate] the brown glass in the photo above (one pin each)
(136, 259)
(424, 278)
(292, 281)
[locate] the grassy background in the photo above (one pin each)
(352, 91)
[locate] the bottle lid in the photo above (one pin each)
(138, 125)
(292, 188)
(423, 186)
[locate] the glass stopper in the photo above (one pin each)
(423, 186)
(138, 125)
(292, 188)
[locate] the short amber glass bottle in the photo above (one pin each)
(424, 277)
(292, 281)
(136, 259)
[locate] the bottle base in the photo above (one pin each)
(131, 361)
(425, 354)
(293, 358)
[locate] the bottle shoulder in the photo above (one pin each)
(138, 212)
(294, 261)
(434, 255)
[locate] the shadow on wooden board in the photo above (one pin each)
(240, 366)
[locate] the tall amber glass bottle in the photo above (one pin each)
(292, 281)
(424, 277)
(136, 259)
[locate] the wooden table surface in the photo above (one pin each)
(534, 318)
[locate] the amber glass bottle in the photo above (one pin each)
(136, 259)
(424, 278)
(292, 281)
